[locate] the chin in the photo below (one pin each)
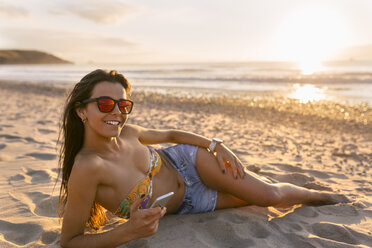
(114, 135)
(110, 133)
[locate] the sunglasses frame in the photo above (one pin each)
(116, 102)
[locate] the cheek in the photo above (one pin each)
(93, 113)
(95, 121)
(92, 108)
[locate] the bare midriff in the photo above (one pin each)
(168, 179)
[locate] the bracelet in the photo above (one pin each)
(213, 144)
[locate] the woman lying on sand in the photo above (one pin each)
(109, 164)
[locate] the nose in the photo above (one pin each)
(116, 109)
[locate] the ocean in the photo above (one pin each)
(345, 82)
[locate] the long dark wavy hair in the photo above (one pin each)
(71, 136)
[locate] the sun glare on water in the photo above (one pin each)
(307, 93)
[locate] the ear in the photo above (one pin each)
(80, 111)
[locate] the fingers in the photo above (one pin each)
(144, 227)
(152, 217)
(136, 204)
(153, 223)
(227, 160)
(145, 222)
(231, 167)
(221, 164)
(152, 211)
(235, 167)
(155, 213)
(241, 171)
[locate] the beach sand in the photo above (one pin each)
(316, 145)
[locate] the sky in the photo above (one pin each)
(162, 31)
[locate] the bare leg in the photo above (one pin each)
(252, 190)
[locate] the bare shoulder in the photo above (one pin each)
(87, 167)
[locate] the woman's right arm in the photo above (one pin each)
(82, 187)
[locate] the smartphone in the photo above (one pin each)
(161, 201)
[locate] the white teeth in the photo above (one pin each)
(114, 123)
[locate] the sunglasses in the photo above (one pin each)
(106, 104)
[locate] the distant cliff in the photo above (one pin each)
(29, 57)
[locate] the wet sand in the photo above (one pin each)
(322, 145)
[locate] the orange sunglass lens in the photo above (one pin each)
(106, 105)
(125, 106)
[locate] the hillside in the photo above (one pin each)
(29, 57)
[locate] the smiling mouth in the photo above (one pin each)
(113, 123)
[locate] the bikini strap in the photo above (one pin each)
(152, 165)
(155, 162)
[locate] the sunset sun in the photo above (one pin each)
(309, 37)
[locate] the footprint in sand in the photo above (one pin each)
(364, 189)
(42, 156)
(20, 234)
(31, 176)
(45, 131)
(10, 137)
(17, 177)
(38, 176)
(44, 122)
(44, 204)
(2, 146)
(6, 125)
(19, 138)
(49, 237)
(32, 140)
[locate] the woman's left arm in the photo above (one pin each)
(227, 160)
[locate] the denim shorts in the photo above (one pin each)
(198, 197)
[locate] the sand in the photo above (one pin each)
(316, 145)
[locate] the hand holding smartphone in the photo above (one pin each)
(161, 201)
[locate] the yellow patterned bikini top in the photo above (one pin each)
(143, 187)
